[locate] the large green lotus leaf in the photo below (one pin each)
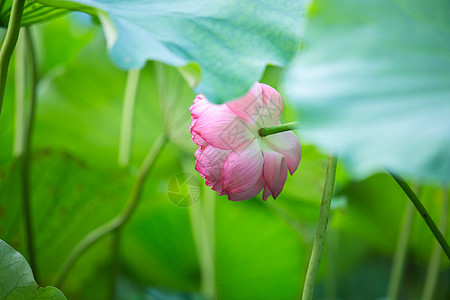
(232, 41)
(373, 83)
(17, 280)
(33, 12)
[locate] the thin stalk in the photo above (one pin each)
(126, 130)
(115, 265)
(127, 117)
(26, 156)
(208, 244)
(116, 223)
(9, 44)
(400, 253)
(202, 216)
(19, 103)
(433, 265)
(319, 238)
(423, 212)
(278, 128)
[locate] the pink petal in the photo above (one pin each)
(250, 193)
(249, 106)
(198, 152)
(199, 106)
(266, 192)
(242, 168)
(209, 164)
(287, 144)
(272, 106)
(218, 188)
(275, 172)
(198, 140)
(221, 128)
(215, 186)
(199, 97)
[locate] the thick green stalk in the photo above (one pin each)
(433, 265)
(9, 44)
(319, 238)
(330, 278)
(26, 155)
(116, 223)
(423, 212)
(400, 253)
(127, 117)
(278, 128)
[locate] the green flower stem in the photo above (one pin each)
(127, 117)
(400, 253)
(26, 155)
(9, 44)
(319, 238)
(278, 128)
(423, 212)
(116, 223)
(433, 266)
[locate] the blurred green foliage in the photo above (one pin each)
(261, 248)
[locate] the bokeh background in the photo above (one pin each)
(229, 250)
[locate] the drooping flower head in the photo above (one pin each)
(232, 156)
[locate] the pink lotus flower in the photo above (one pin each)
(233, 158)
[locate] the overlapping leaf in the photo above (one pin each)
(373, 83)
(33, 12)
(232, 41)
(16, 278)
